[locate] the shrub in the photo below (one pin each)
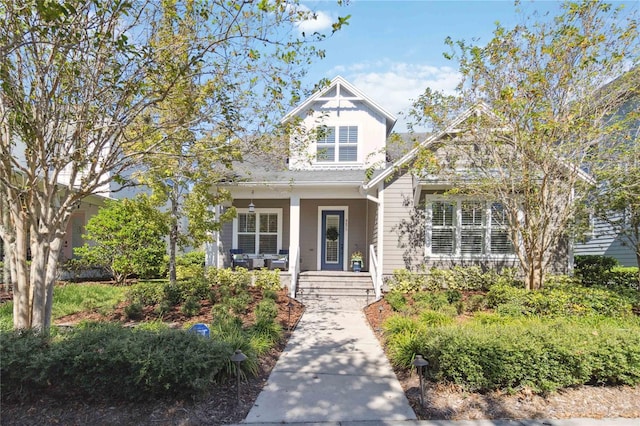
(434, 300)
(134, 311)
(267, 280)
(190, 265)
(191, 306)
(501, 294)
(435, 319)
(24, 357)
(146, 293)
(476, 302)
(493, 353)
(593, 270)
(396, 300)
(404, 281)
(266, 311)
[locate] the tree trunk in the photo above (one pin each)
(51, 274)
(21, 291)
(173, 234)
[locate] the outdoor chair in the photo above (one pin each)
(238, 259)
(282, 262)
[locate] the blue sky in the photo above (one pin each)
(392, 50)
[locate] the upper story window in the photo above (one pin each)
(338, 144)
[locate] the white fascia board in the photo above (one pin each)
(318, 96)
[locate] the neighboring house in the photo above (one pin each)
(341, 194)
(602, 238)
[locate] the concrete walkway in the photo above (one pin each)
(332, 370)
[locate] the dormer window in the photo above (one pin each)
(338, 144)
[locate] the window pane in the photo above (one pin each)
(327, 135)
(246, 222)
(269, 222)
(348, 134)
(472, 213)
(247, 242)
(348, 153)
(442, 241)
(471, 241)
(500, 243)
(442, 214)
(326, 153)
(498, 215)
(268, 244)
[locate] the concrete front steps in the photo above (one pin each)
(335, 285)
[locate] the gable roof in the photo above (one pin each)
(452, 128)
(353, 93)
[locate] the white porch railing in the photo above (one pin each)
(375, 271)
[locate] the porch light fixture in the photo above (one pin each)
(252, 207)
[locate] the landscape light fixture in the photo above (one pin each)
(419, 362)
(252, 207)
(237, 358)
(289, 306)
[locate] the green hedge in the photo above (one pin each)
(541, 355)
(456, 278)
(110, 362)
(605, 271)
(562, 300)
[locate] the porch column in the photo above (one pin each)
(380, 238)
(294, 241)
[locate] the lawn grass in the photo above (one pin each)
(71, 298)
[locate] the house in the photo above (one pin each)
(603, 239)
(339, 193)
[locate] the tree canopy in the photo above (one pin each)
(537, 88)
(79, 76)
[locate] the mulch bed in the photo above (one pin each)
(220, 406)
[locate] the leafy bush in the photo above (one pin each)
(190, 265)
(134, 311)
(191, 306)
(404, 281)
(266, 311)
(267, 280)
(489, 353)
(593, 270)
(146, 293)
(149, 364)
(434, 300)
(476, 302)
(23, 366)
(127, 238)
(396, 299)
(435, 318)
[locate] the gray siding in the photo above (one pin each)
(403, 227)
(605, 242)
(358, 230)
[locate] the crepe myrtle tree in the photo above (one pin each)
(537, 94)
(76, 77)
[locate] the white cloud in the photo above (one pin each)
(318, 20)
(394, 86)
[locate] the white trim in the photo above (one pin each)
(390, 119)
(277, 211)
(345, 210)
(380, 243)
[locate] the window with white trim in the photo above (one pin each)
(337, 144)
(259, 232)
(466, 228)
